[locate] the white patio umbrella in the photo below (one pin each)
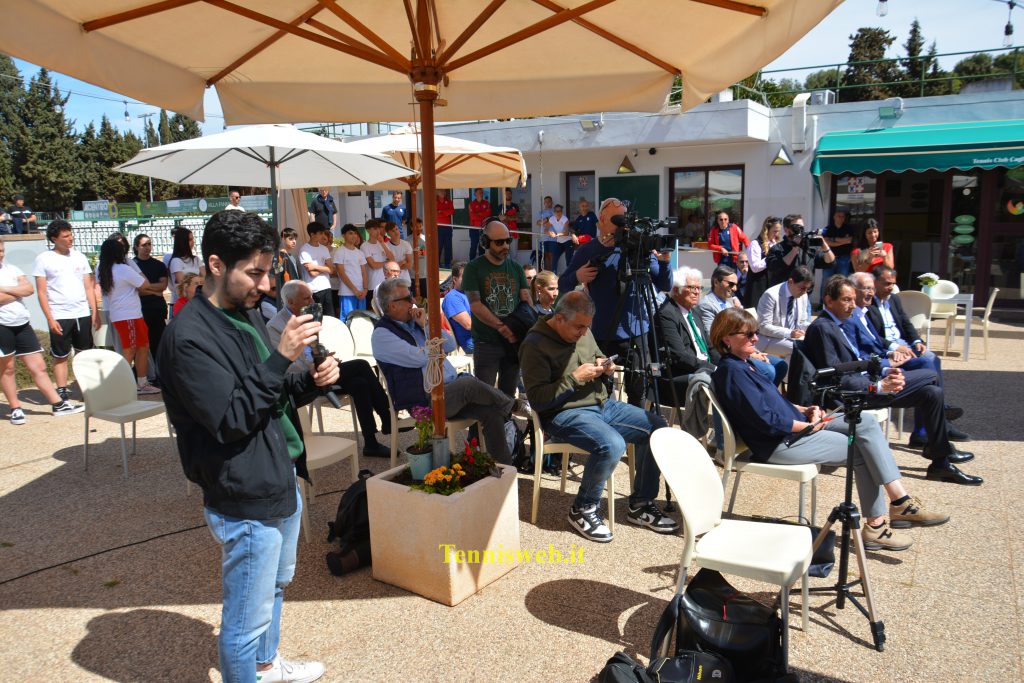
(275, 156)
(352, 60)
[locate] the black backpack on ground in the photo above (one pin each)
(351, 526)
(686, 667)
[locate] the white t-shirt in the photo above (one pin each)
(105, 299)
(352, 261)
(122, 301)
(65, 283)
(558, 225)
(320, 256)
(400, 251)
(376, 252)
(13, 314)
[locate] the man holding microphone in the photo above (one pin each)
(234, 407)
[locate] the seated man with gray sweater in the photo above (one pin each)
(567, 381)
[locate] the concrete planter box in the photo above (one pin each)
(408, 529)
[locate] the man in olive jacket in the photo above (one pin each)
(233, 405)
(566, 382)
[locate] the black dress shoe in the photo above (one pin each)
(376, 449)
(955, 434)
(917, 441)
(947, 471)
(956, 457)
(954, 412)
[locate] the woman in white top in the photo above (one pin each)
(565, 241)
(120, 284)
(183, 259)
(757, 253)
(18, 340)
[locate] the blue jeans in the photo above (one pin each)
(474, 243)
(603, 431)
(774, 370)
(257, 562)
(444, 246)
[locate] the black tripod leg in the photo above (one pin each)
(877, 627)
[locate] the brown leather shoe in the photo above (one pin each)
(883, 538)
(913, 513)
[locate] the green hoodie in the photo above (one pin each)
(547, 363)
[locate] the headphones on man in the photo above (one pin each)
(485, 240)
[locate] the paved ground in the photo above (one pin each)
(107, 579)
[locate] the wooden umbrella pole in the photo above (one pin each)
(414, 235)
(426, 92)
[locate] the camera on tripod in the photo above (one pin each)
(637, 237)
(826, 384)
(808, 238)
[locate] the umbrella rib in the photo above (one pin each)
(611, 37)
(471, 29)
(294, 154)
(528, 32)
(417, 47)
(363, 30)
(302, 18)
(197, 170)
(355, 51)
(137, 13)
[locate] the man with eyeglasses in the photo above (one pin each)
(595, 267)
(794, 251)
(689, 349)
(399, 345)
(722, 296)
(494, 285)
(234, 201)
(391, 271)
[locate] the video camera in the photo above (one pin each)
(637, 237)
(808, 238)
(826, 384)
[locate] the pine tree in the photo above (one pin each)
(12, 129)
(47, 161)
(937, 83)
(868, 45)
(971, 69)
(915, 66)
(89, 167)
(826, 79)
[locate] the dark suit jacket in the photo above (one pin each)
(677, 338)
(826, 346)
(907, 329)
(867, 344)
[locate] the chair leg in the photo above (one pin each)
(394, 440)
(611, 502)
(304, 521)
(735, 487)
(800, 511)
(124, 453)
(631, 464)
(805, 621)
(538, 464)
(319, 416)
(814, 500)
(85, 444)
(985, 330)
(565, 469)
(134, 449)
(785, 629)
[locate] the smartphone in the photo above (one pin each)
(610, 360)
(878, 245)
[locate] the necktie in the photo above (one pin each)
(791, 313)
(697, 337)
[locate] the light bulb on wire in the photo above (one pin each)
(1008, 35)
(883, 8)
(127, 116)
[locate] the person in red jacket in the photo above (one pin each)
(445, 212)
(479, 210)
(726, 240)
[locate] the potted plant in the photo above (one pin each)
(420, 454)
(458, 531)
(927, 280)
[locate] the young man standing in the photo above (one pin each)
(285, 267)
(67, 294)
(377, 253)
(401, 251)
(234, 405)
(317, 266)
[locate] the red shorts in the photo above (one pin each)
(133, 333)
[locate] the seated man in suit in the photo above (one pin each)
(399, 344)
(896, 355)
(783, 313)
(686, 346)
(828, 345)
(892, 324)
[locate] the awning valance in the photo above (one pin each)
(939, 146)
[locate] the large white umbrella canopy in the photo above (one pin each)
(351, 60)
(458, 163)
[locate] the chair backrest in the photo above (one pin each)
(336, 337)
(917, 306)
(944, 289)
(361, 328)
(105, 378)
(728, 435)
(692, 477)
(991, 300)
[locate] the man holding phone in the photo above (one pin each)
(570, 394)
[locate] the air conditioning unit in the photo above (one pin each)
(823, 97)
(723, 96)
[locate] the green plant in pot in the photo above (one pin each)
(421, 453)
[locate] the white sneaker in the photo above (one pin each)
(17, 416)
(284, 671)
(65, 408)
(148, 389)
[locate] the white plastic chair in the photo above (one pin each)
(773, 553)
(361, 329)
(918, 307)
(336, 338)
(110, 393)
(979, 313)
(322, 451)
(943, 289)
(542, 448)
(733, 447)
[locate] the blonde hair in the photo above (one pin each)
(541, 279)
(182, 286)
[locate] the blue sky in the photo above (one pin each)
(941, 20)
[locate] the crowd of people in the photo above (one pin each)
(541, 343)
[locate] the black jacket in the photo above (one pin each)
(223, 403)
(826, 347)
(907, 330)
(677, 340)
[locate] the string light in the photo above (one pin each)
(883, 8)
(1008, 29)
(127, 116)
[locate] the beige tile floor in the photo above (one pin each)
(107, 579)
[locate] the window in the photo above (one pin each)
(1010, 196)
(697, 193)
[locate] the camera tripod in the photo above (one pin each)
(850, 516)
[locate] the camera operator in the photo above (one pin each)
(595, 265)
(763, 418)
(796, 249)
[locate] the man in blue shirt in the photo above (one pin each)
(323, 211)
(396, 213)
(455, 306)
(585, 222)
(595, 265)
(21, 217)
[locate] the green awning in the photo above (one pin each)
(940, 147)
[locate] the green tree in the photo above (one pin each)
(864, 72)
(47, 160)
(915, 66)
(12, 129)
(826, 79)
(165, 128)
(1011, 63)
(89, 167)
(977, 67)
(938, 83)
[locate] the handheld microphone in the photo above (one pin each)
(619, 221)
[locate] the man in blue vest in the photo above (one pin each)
(399, 345)
(396, 213)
